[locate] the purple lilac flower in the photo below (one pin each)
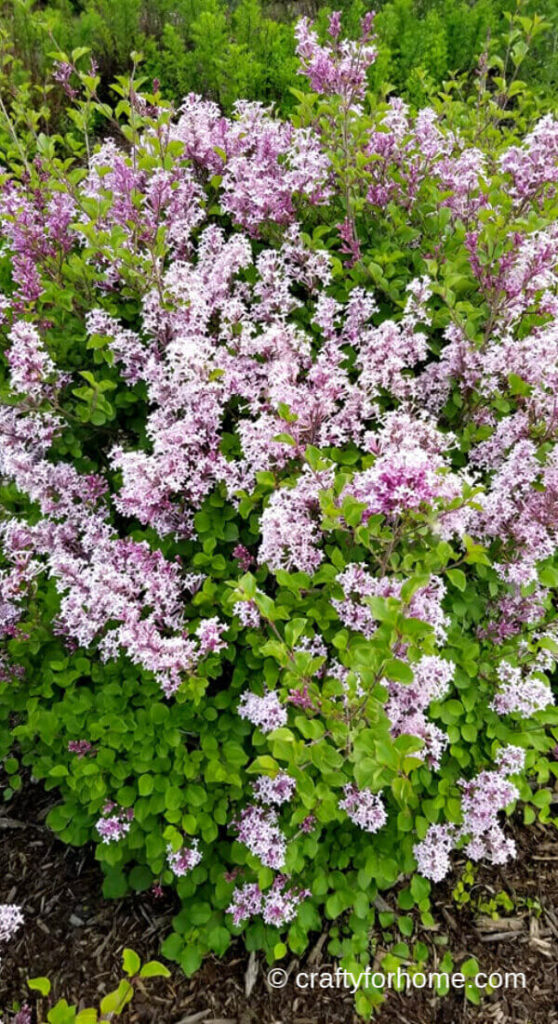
(184, 860)
(483, 797)
(265, 712)
(28, 359)
(247, 613)
(510, 759)
(278, 905)
(209, 633)
(23, 1016)
(246, 902)
(243, 557)
(524, 697)
(11, 918)
(113, 827)
(338, 67)
(259, 830)
(432, 853)
(274, 791)
(80, 747)
(364, 808)
(301, 698)
(62, 72)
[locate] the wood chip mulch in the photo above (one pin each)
(76, 938)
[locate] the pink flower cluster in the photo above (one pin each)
(358, 584)
(184, 860)
(259, 830)
(339, 67)
(278, 905)
(482, 799)
(520, 695)
(263, 163)
(246, 359)
(364, 808)
(114, 826)
(258, 827)
(266, 712)
(80, 747)
(407, 705)
(11, 919)
(29, 362)
(277, 790)
(247, 614)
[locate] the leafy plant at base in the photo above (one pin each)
(112, 1005)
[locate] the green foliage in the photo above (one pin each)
(112, 1005)
(202, 46)
(229, 51)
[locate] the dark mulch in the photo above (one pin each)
(76, 938)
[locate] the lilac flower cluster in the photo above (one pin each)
(184, 860)
(114, 826)
(266, 712)
(433, 852)
(30, 364)
(278, 905)
(277, 790)
(482, 799)
(259, 830)
(80, 747)
(357, 584)
(407, 705)
(247, 614)
(364, 808)
(23, 1015)
(122, 596)
(11, 919)
(258, 827)
(209, 633)
(339, 67)
(519, 695)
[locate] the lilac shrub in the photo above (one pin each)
(280, 497)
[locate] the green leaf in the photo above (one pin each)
(114, 1001)
(41, 985)
(62, 1013)
(265, 764)
(399, 670)
(472, 993)
(335, 905)
(115, 884)
(131, 962)
(154, 969)
(172, 946)
(140, 878)
(458, 578)
(549, 576)
(190, 960)
(87, 1016)
(145, 785)
(174, 798)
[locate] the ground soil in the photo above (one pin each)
(76, 938)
